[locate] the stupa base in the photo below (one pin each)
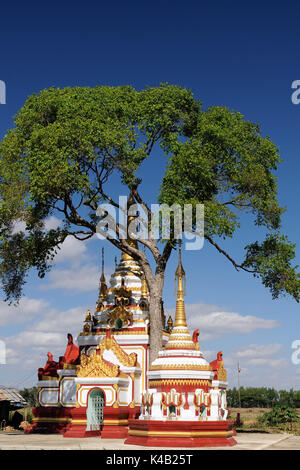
(50, 420)
(180, 433)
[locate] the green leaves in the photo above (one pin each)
(19, 252)
(280, 414)
(228, 166)
(271, 261)
(68, 143)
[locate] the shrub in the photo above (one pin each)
(280, 414)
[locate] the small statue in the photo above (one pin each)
(195, 338)
(88, 316)
(50, 368)
(169, 324)
(71, 355)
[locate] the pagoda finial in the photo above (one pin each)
(103, 286)
(131, 242)
(102, 274)
(180, 318)
(144, 288)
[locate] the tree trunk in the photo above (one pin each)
(155, 288)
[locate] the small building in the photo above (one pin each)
(10, 400)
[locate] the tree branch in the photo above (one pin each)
(223, 252)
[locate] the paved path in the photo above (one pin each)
(245, 441)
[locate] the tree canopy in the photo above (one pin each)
(68, 143)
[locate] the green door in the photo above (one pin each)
(94, 412)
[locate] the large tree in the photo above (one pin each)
(68, 144)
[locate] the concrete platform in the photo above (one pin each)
(245, 441)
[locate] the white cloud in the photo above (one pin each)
(257, 351)
(32, 339)
(61, 321)
(217, 323)
(27, 350)
(261, 355)
(259, 366)
(51, 223)
(22, 312)
(82, 279)
(19, 226)
(72, 251)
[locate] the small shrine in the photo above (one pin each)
(107, 387)
(185, 403)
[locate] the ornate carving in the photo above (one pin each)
(180, 345)
(179, 366)
(121, 332)
(108, 342)
(122, 292)
(119, 313)
(174, 382)
(95, 366)
(183, 337)
(222, 374)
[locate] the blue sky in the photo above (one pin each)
(241, 56)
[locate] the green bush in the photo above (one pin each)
(280, 414)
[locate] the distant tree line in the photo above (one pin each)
(30, 395)
(262, 397)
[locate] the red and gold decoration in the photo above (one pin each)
(106, 387)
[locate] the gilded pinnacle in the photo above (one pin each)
(180, 318)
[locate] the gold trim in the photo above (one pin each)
(53, 420)
(48, 377)
(125, 272)
(84, 387)
(180, 345)
(101, 333)
(180, 366)
(143, 351)
(155, 383)
(69, 366)
(183, 331)
(183, 337)
(123, 403)
(47, 389)
(63, 380)
(115, 421)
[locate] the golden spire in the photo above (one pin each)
(180, 318)
(180, 337)
(103, 286)
(144, 288)
(130, 241)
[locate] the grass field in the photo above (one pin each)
(249, 417)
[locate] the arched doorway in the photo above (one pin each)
(94, 413)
